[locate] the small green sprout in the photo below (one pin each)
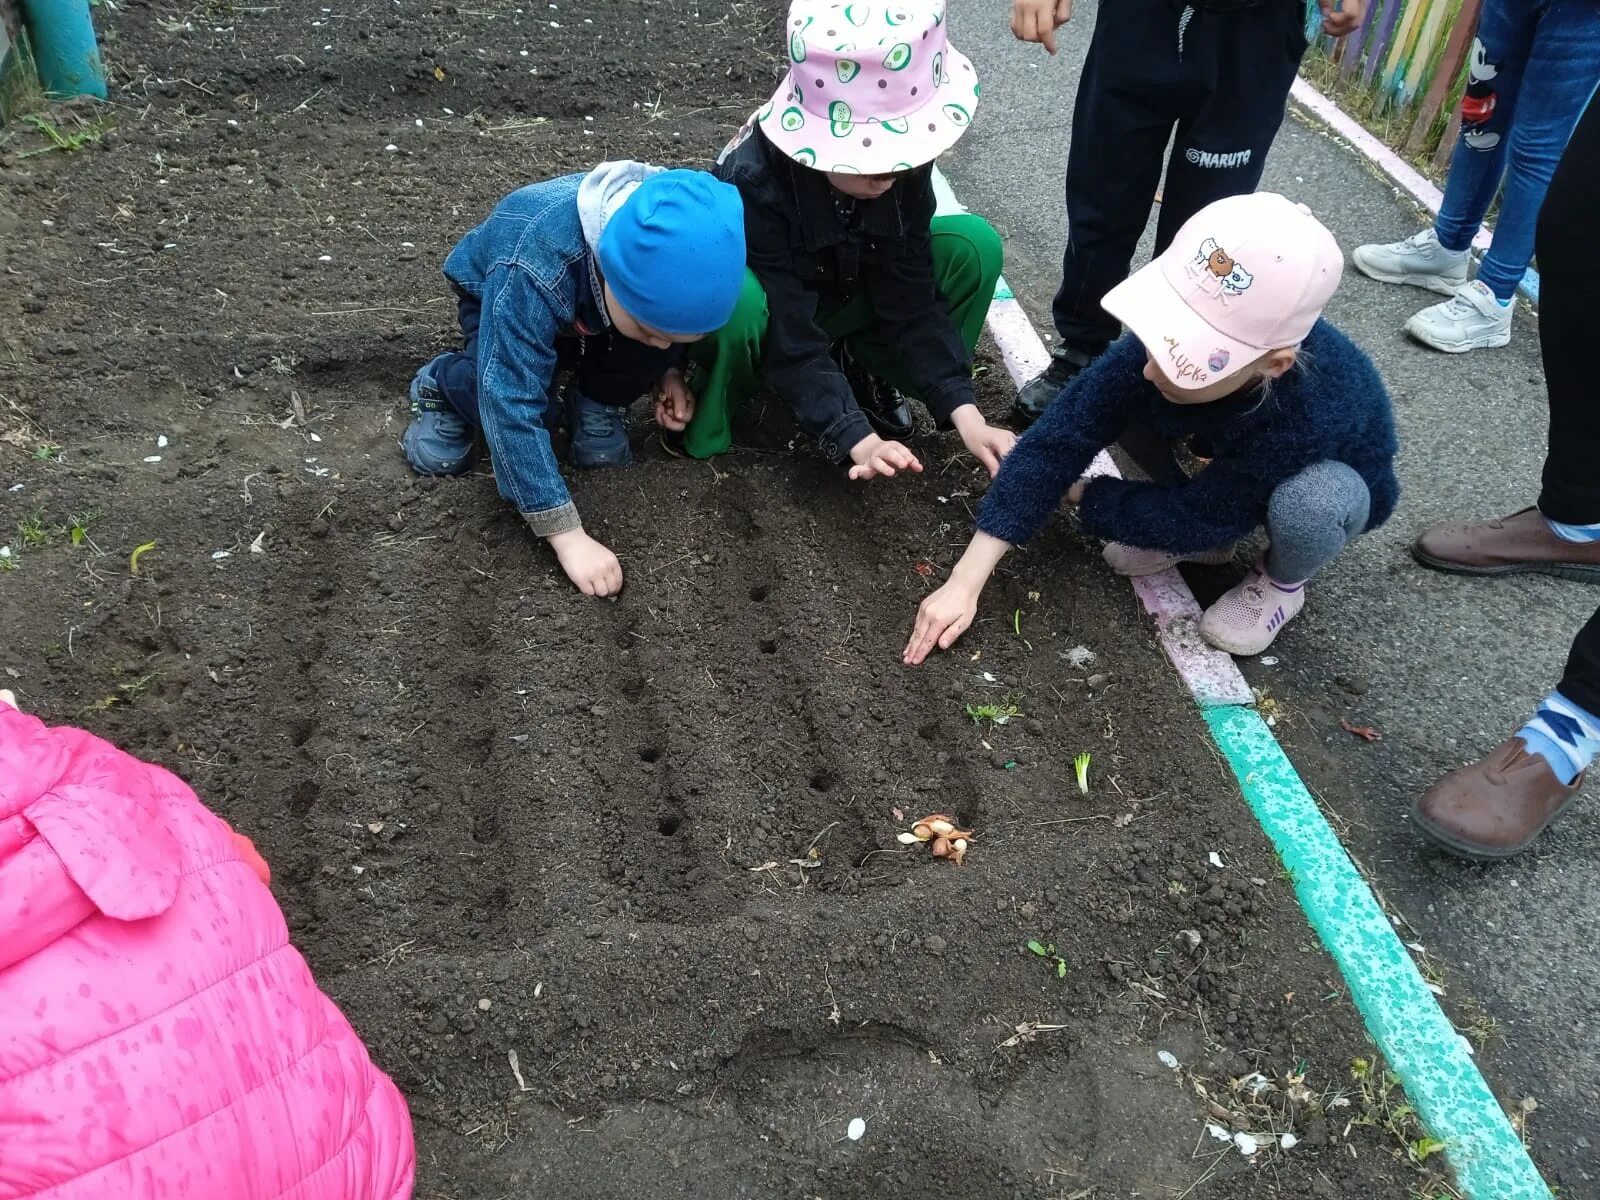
(1047, 950)
(1081, 766)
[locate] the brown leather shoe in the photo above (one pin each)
(1495, 807)
(1522, 542)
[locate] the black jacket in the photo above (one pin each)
(812, 248)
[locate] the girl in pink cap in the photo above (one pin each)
(856, 291)
(1226, 346)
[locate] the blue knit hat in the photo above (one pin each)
(673, 254)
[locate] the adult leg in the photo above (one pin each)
(1569, 263)
(1562, 69)
(1569, 258)
(727, 372)
(1130, 92)
(1497, 806)
(1310, 519)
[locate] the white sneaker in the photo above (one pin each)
(1134, 562)
(1419, 260)
(1469, 320)
(1245, 619)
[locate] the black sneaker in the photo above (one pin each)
(885, 408)
(1038, 392)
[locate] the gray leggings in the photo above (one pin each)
(1310, 518)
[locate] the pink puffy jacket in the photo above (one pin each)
(160, 1039)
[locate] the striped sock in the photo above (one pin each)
(1564, 735)
(1574, 533)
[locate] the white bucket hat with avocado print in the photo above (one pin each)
(872, 87)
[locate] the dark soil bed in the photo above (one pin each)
(613, 889)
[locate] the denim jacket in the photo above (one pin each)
(531, 267)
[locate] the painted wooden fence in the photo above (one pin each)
(1407, 64)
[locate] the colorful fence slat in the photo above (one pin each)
(1407, 65)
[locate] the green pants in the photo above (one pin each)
(966, 264)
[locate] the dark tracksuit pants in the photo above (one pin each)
(610, 368)
(1218, 71)
(1569, 263)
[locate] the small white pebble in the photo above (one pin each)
(555, 24)
(17, 487)
(324, 258)
(449, 112)
(857, 1130)
(232, 122)
(485, 1004)
(1168, 1059)
(152, 458)
(419, 122)
(524, 54)
(327, 47)
(5, 551)
(161, 441)
(1288, 1141)
(219, 554)
(315, 437)
(408, 245)
(391, 147)
(47, 221)
(588, 118)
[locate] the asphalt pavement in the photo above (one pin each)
(1445, 667)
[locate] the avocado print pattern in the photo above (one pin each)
(883, 78)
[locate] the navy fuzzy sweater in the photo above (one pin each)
(1331, 405)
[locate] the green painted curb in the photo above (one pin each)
(1431, 1059)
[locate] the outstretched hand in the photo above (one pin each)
(7, 698)
(593, 569)
(873, 457)
(1038, 20)
(942, 617)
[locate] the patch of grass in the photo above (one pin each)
(1381, 1102)
(994, 713)
(33, 531)
(73, 136)
(47, 452)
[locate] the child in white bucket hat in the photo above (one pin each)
(1226, 344)
(856, 291)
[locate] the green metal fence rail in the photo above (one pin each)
(1405, 68)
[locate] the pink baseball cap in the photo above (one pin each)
(1245, 275)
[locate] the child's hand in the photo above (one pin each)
(983, 441)
(1075, 492)
(591, 567)
(674, 402)
(1341, 19)
(942, 617)
(1038, 20)
(7, 698)
(873, 457)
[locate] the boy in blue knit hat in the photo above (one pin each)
(609, 275)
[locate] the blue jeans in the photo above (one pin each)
(1535, 64)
